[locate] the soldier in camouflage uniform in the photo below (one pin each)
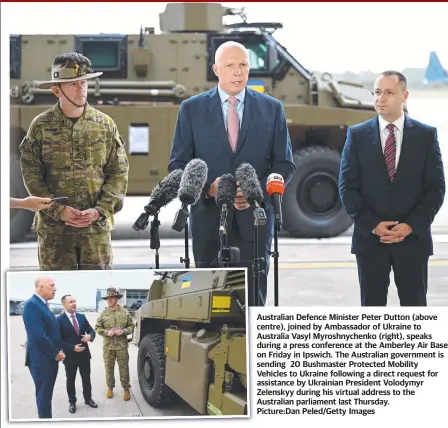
(114, 324)
(73, 150)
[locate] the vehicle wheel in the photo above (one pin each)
(311, 204)
(20, 220)
(151, 371)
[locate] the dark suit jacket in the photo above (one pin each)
(43, 334)
(70, 338)
(263, 141)
(414, 197)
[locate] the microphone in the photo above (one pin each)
(251, 189)
(250, 186)
(190, 189)
(275, 187)
(225, 198)
(164, 192)
(161, 195)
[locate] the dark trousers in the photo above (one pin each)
(84, 370)
(44, 379)
(410, 273)
(206, 252)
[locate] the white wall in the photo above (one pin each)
(82, 285)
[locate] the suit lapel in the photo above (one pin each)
(70, 321)
(46, 308)
(77, 316)
(405, 147)
(249, 112)
(56, 321)
(39, 300)
(377, 149)
(217, 119)
(67, 322)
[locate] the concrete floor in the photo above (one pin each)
(22, 398)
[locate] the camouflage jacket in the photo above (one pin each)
(85, 161)
(115, 319)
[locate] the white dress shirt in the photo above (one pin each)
(225, 104)
(70, 317)
(384, 133)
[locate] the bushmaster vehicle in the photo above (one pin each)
(147, 76)
(191, 335)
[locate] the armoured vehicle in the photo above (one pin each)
(191, 335)
(147, 76)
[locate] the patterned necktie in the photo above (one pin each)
(233, 123)
(75, 324)
(390, 150)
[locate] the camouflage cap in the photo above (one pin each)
(112, 292)
(71, 71)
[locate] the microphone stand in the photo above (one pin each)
(154, 237)
(181, 222)
(275, 254)
(142, 223)
(259, 220)
(224, 252)
(186, 259)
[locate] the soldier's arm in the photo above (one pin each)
(33, 171)
(99, 327)
(115, 184)
(129, 325)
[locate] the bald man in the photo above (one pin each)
(44, 344)
(227, 126)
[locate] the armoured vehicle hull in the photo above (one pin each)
(147, 76)
(191, 335)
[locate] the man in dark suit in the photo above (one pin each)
(227, 126)
(43, 345)
(392, 184)
(76, 333)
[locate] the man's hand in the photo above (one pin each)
(240, 200)
(119, 332)
(60, 356)
(86, 338)
(79, 348)
(214, 188)
(92, 214)
(383, 229)
(78, 218)
(70, 214)
(111, 333)
(401, 231)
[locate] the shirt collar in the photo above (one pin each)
(60, 116)
(399, 123)
(69, 314)
(224, 95)
(41, 298)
